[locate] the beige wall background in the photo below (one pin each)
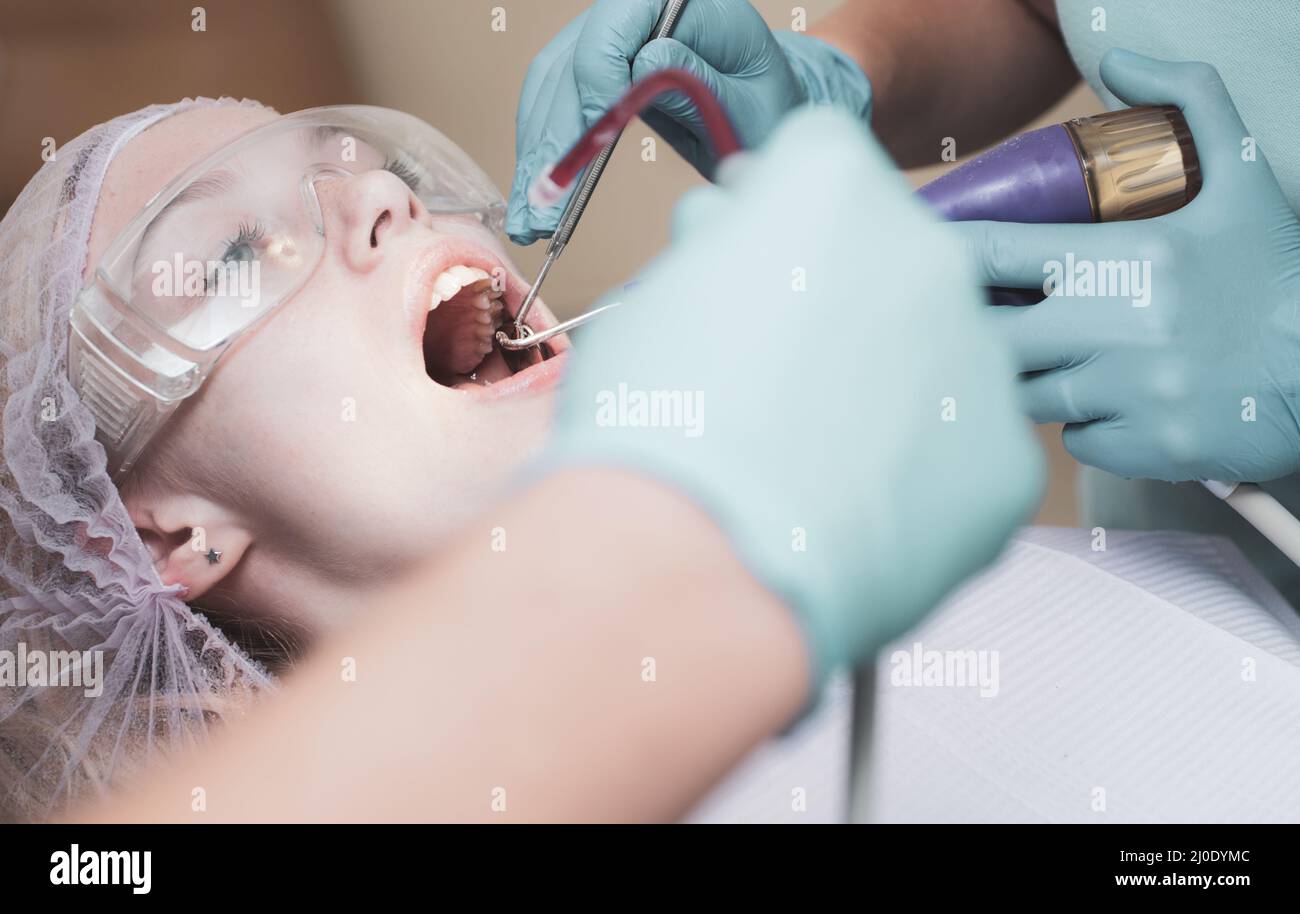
(441, 60)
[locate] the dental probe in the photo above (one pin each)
(523, 335)
(549, 186)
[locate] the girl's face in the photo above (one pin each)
(346, 436)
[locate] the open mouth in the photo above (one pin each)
(469, 297)
(465, 312)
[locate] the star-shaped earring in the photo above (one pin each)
(213, 556)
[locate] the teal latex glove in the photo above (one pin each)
(1202, 382)
(858, 441)
(756, 74)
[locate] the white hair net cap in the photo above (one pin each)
(75, 576)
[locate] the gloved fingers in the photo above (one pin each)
(1019, 255)
(722, 32)
(666, 54)
(719, 31)
(688, 145)
(1116, 446)
(1068, 394)
(1047, 335)
(1091, 443)
(1169, 446)
(524, 223)
(544, 132)
(1197, 90)
(615, 31)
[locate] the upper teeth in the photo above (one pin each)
(450, 281)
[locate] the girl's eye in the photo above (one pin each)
(243, 245)
(404, 170)
(241, 248)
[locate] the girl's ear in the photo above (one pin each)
(194, 542)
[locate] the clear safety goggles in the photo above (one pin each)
(227, 242)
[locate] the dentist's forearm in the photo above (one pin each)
(611, 662)
(973, 70)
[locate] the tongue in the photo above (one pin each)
(458, 334)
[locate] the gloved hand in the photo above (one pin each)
(858, 441)
(1202, 382)
(756, 74)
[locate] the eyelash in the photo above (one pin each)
(409, 176)
(247, 235)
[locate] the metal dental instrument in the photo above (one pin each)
(531, 338)
(524, 337)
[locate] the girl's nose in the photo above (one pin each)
(365, 213)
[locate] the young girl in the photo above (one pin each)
(363, 376)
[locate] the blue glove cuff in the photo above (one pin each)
(827, 74)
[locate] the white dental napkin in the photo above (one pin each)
(1154, 680)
